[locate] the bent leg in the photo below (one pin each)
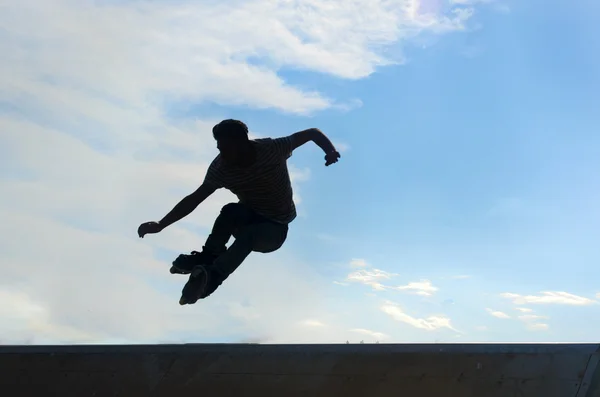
(232, 217)
(261, 237)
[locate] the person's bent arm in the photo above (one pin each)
(187, 205)
(315, 135)
(320, 139)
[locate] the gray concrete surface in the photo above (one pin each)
(369, 370)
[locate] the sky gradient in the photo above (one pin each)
(465, 207)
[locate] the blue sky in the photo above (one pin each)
(464, 208)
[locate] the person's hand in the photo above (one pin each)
(331, 157)
(149, 228)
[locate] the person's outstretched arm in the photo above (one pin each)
(185, 207)
(315, 135)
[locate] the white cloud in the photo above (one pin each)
(243, 312)
(378, 336)
(371, 278)
(538, 327)
(18, 311)
(374, 277)
(183, 50)
(359, 263)
(93, 143)
(342, 284)
(298, 175)
(524, 309)
(461, 277)
(312, 323)
(496, 5)
(549, 297)
(105, 287)
(470, 2)
(532, 322)
(532, 317)
(430, 323)
(481, 328)
(423, 287)
(497, 314)
(341, 147)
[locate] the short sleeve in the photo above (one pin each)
(214, 174)
(283, 146)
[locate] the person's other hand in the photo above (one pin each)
(332, 157)
(149, 228)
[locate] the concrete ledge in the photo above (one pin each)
(370, 370)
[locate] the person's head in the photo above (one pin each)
(232, 139)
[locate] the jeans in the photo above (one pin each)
(252, 232)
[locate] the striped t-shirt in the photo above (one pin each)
(264, 186)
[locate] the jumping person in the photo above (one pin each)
(255, 170)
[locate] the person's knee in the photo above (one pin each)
(263, 238)
(233, 211)
(230, 209)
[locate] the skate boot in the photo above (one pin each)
(203, 281)
(185, 264)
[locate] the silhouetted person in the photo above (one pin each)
(256, 172)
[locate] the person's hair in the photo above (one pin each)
(230, 129)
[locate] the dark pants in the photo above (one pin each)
(252, 232)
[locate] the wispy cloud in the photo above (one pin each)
(538, 327)
(470, 2)
(549, 297)
(359, 263)
(461, 277)
(378, 280)
(430, 323)
(312, 323)
(524, 309)
(342, 147)
(19, 311)
(532, 317)
(497, 5)
(98, 93)
(246, 313)
(497, 314)
(371, 278)
(532, 322)
(193, 58)
(375, 335)
(423, 287)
